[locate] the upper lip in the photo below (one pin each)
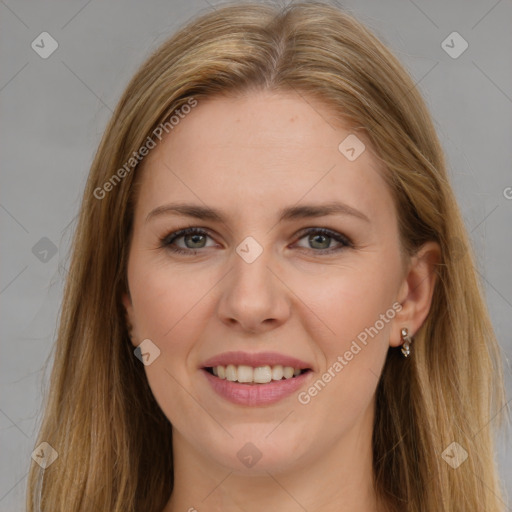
(255, 360)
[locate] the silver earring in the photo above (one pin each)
(406, 341)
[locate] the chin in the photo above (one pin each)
(254, 451)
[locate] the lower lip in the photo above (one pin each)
(256, 394)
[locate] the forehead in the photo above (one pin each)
(259, 150)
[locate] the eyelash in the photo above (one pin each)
(169, 239)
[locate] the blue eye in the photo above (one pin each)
(196, 235)
(196, 238)
(319, 237)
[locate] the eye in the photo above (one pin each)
(194, 239)
(320, 239)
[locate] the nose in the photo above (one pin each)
(254, 298)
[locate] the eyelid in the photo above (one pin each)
(331, 233)
(166, 241)
(171, 237)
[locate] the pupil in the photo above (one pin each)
(321, 236)
(194, 238)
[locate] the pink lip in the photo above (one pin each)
(255, 360)
(256, 394)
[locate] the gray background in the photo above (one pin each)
(54, 110)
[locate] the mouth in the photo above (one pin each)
(259, 375)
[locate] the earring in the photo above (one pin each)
(406, 340)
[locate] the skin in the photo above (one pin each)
(250, 156)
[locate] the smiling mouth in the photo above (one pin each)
(249, 375)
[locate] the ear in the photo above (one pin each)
(416, 291)
(130, 318)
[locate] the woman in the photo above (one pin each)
(272, 302)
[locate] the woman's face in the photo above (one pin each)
(268, 282)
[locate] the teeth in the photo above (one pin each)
(288, 372)
(277, 372)
(259, 375)
(262, 374)
(231, 373)
(245, 373)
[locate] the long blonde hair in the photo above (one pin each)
(113, 441)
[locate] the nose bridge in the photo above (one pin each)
(252, 294)
(251, 274)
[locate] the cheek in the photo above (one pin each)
(166, 298)
(333, 307)
(169, 311)
(356, 305)
(347, 302)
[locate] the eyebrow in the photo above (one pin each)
(286, 214)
